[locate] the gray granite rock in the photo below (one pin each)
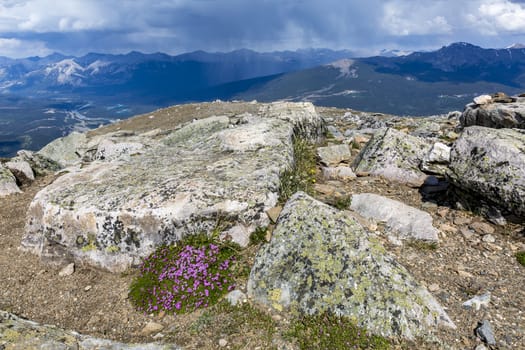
(338, 173)
(22, 171)
(490, 163)
(109, 150)
(495, 115)
(66, 150)
(40, 164)
(333, 155)
(485, 333)
(321, 260)
(20, 334)
(111, 213)
(7, 182)
(236, 297)
(407, 222)
(436, 161)
(395, 156)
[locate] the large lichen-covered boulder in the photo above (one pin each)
(407, 222)
(321, 260)
(66, 150)
(7, 182)
(20, 334)
(220, 172)
(495, 115)
(490, 163)
(395, 156)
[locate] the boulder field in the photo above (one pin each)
(120, 194)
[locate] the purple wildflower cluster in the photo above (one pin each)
(182, 280)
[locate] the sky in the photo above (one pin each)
(76, 27)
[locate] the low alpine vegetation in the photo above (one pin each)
(301, 176)
(328, 331)
(520, 256)
(184, 277)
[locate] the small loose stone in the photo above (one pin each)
(151, 328)
(433, 287)
(482, 228)
(489, 239)
(485, 333)
(478, 301)
(468, 234)
(67, 271)
(459, 220)
(223, 342)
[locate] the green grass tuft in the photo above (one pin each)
(258, 236)
(520, 256)
(301, 176)
(342, 203)
(333, 332)
(422, 245)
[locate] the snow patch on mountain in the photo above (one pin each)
(516, 46)
(346, 67)
(95, 67)
(394, 53)
(66, 72)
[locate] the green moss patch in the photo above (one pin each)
(520, 256)
(327, 331)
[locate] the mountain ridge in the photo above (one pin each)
(115, 86)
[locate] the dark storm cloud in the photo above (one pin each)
(174, 26)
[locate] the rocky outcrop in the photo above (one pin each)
(320, 260)
(40, 164)
(493, 114)
(491, 164)
(407, 222)
(22, 171)
(436, 161)
(7, 182)
(17, 333)
(65, 151)
(118, 208)
(395, 156)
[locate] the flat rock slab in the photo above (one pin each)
(20, 334)
(222, 169)
(409, 223)
(495, 115)
(321, 260)
(491, 164)
(335, 154)
(394, 155)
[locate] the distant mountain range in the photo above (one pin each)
(420, 83)
(42, 98)
(159, 77)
